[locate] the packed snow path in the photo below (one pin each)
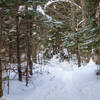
(62, 82)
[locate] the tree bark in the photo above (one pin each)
(29, 48)
(75, 29)
(83, 12)
(1, 90)
(98, 15)
(26, 71)
(18, 49)
(10, 49)
(78, 53)
(73, 15)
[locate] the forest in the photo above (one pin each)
(34, 34)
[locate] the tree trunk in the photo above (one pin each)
(75, 29)
(10, 50)
(34, 55)
(83, 12)
(29, 48)
(1, 91)
(98, 15)
(73, 15)
(18, 49)
(30, 51)
(26, 75)
(78, 54)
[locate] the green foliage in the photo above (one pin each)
(5, 78)
(91, 7)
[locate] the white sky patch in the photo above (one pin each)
(34, 33)
(21, 8)
(50, 39)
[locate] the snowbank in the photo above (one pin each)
(60, 81)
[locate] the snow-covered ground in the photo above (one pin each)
(59, 81)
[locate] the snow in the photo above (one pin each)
(50, 19)
(41, 10)
(21, 8)
(59, 81)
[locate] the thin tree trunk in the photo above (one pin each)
(98, 15)
(1, 90)
(73, 15)
(75, 29)
(27, 74)
(28, 49)
(34, 55)
(18, 49)
(10, 49)
(78, 53)
(30, 61)
(28, 34)
(83, 12)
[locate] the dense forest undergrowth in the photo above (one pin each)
(33, 31)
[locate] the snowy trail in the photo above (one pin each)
(61, 84)
(59, 88)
